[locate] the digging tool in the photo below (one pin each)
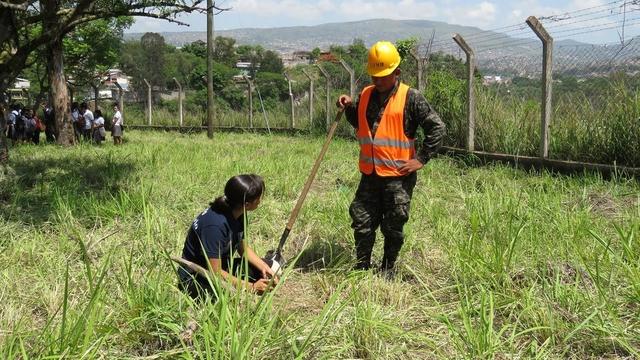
(276, 255)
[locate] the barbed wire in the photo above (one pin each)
(520, 28)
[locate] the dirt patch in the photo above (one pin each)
(603, 204)
(298, 296)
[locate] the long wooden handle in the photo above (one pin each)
(307, 185)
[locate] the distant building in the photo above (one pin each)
(327, 56)
(19, 91)
(111, 78)
(494, 79)
(245, 69)
(297, 58)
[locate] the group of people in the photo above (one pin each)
(23, 125)
(386, 117)
(90, 126)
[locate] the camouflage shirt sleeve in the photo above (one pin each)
(418, 112)
(351, 113)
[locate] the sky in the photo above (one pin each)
(485, 14)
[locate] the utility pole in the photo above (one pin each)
(210, 50)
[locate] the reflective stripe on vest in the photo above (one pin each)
(390, 148)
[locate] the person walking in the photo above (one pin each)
(116, 129)
(386, 117)
(217, 233)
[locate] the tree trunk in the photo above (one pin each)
(96, 94)
(4, 147)
(59, 93)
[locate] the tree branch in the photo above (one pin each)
(12, 6)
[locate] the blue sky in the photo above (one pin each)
(485, 14)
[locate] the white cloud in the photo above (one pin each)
(482, 14)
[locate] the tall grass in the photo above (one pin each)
(498, 263)
(600, 127)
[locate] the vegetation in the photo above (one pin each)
(498, 263)
(593, 120)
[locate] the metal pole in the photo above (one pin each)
(120, 99)
(419, 62)
(210, 51)
(181, 115)
(293, 116)
(547, 61)
(326, 76)
(310, 97)
(352, 78)
(148, 100)
(250, 91)
(471, 121)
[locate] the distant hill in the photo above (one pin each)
(289, 39)
(497, 52)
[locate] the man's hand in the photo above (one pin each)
(410, 166)
(344, 101)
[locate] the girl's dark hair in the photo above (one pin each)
(239, 190)
(98, 113)
(74, 105)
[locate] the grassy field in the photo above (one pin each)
(498, 263)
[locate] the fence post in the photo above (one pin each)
(352, 78)
(250, 91)
(420, 62)
(148, 100)
(181, 115)
(293, 112)
(120, 99)
(326, 76)
(471, 101)
(310, 97)
(547, 58)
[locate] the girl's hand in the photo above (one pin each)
(260, 286)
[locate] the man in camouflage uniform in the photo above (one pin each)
(388, 162)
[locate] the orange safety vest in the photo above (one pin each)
(390, 148)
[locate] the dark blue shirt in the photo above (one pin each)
(218, 234)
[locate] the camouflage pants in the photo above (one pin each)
(381, 202)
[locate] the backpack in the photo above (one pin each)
(81, 123)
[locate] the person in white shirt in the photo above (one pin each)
(99, 133)
(88, 120)
(116, 129)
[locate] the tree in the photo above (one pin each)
(153, 53)
(271, 62)
(315, 53)
(225, 51)
(53, 20)
(197, 48)
(92, 49)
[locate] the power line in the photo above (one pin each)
(554, 26)
(626, 23)
(523, 28)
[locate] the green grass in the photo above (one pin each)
(598, 124)
(498, 263)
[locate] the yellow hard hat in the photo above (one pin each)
(383, 59)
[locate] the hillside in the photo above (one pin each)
(496, 52)
(287, 39)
